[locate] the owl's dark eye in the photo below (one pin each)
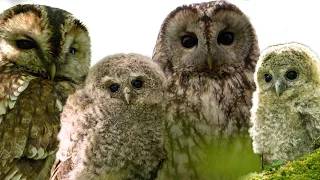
(267, 77)
(225, 38)
(291, 75)
(114, 87)
(26, 44)
(137, 84)
(72, 50)
(189, 41)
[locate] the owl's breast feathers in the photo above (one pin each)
(219, 101)
(29, 111)
(202, 109)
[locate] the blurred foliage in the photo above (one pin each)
(304, 168)
(230, 158)
(274, 165)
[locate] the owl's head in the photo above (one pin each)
(45, 42)
(130, 78)
(285, 69)
(206, 37)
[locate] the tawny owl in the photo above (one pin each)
(44, 56)
(113, 127)
(208, 52)
(286, 105)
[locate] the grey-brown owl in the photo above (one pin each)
(44, 56)
(208, 52)
(113, 128)
(286, 105)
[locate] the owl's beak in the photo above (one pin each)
(126, 92)
(210, 61)
(280, 86)
(52, 71)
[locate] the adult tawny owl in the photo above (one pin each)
(208, 52)
(113, 128)
(44, 56)
(285, 113)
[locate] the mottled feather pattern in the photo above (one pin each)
(220, 107)
(33, 122)
(207, 105)
(37, 73)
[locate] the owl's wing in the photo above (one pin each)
(310, 114)
(74, 113)
(70, 135)
(9, 92)
(30, 110)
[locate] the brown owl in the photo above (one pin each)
(44, 57)
(208, 52)
(113, 127)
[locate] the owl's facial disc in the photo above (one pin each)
(282, 81)
(28, 46)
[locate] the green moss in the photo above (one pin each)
(304, 168)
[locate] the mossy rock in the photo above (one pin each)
(304, 168)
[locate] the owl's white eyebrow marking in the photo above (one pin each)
(108, 78)
(7, 49)
(137, 75)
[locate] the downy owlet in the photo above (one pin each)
(44, 57)
(285, 113)
(113, 127)
(208, 52)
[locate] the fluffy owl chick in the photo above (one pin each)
(285, 115)
(113, 128)
(208, 52)
(44, 57)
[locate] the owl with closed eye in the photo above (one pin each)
(208, 52)
(285, 115)
(44, 57)
(113, 127)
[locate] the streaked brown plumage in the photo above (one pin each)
(44, 57)
(208, 52)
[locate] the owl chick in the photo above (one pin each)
(44, 57)
(208, 52)
(285, 115)
(113, 127)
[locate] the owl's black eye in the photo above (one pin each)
(267, 77)
(114, 87)
(291, 75)
(72, 50)
(189, 41)
(26, 44)
(225, 38)
(137, 84)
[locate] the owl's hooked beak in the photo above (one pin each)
(280, 86)
(126, 92)
(210, 61)
(52, 71)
